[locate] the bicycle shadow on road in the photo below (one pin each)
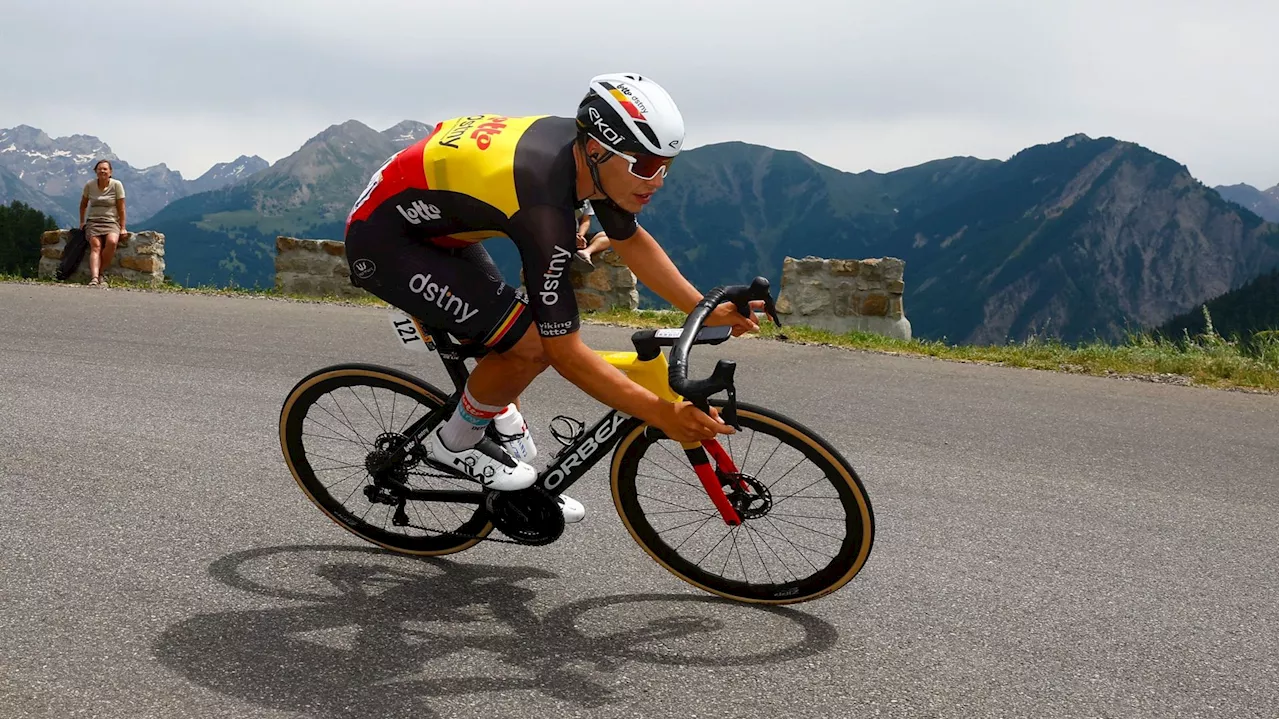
(360, 632)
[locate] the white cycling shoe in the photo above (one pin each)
(571, 508)
(487, 463)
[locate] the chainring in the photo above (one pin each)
(529, 516)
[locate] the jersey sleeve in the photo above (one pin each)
(545, 237)
(616, 222)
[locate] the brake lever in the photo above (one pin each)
(759, 291)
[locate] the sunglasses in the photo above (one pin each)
(644, 166)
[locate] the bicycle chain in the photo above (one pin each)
(448, 532)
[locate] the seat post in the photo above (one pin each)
(453, 355)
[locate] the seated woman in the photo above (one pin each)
(103, 197)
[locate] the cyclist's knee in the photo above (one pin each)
(528, 351)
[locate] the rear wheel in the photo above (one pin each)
(338, 421)
(807, 522)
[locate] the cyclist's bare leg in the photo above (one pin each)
(599, 243)
(498, 379)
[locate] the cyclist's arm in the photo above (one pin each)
(655, 269)
(571, 357)
(545, 237)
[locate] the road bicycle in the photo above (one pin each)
(712, 513)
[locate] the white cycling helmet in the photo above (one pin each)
(630, 113)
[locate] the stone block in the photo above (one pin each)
(842, 302)
(871, 270)
(895, 308)
(53, 253)
(599, 280)
(623, 278)
(588, 301)
(894, 286)
(874, 305)
(844, 267)
(812, 298)
(892, 268)
(144, 263)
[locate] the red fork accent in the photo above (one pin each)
(722, 460)
(720, 456)
(711, 483)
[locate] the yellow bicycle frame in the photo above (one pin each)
(650, 374)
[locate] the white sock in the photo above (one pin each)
(466, 427)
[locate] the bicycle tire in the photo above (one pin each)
(859, 522)
(293, 415)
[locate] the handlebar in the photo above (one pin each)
(698, 391)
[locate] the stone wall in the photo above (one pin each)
(609, 284)
(139, 257)
(844, 295)
(315, 268)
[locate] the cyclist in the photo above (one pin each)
(413, 239)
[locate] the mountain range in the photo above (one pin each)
(228, 236)
(1076, 238)
(58, 168)
(1263, 203)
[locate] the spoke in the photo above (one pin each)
(682, 461)
(767, 573)
(392, 421)
(796, 493)
(339, 481)
(672, 481)
(382, 422)
(729, 556)
(803, 516)
(807, 528)
(346, 420)
(713, 548)
(799, 462)
(797, 546)
(684, 464)
(327, 428)
(350, 494)
(699, 529)
(742, 467)
(332, 439)
(703, 512)
(774, 552)
(366, 409)
(341, 464)
(673, 504)
(768, 459)
(410, 420)
(680, 526)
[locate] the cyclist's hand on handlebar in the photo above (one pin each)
(727, 314)
(684, 422)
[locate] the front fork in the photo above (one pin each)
(697, 455)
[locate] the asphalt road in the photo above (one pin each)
(1047, 545)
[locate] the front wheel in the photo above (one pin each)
(807, 522)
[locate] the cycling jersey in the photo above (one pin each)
(471, 179)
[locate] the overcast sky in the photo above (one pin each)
(856, 85)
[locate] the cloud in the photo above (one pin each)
(854, 84)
